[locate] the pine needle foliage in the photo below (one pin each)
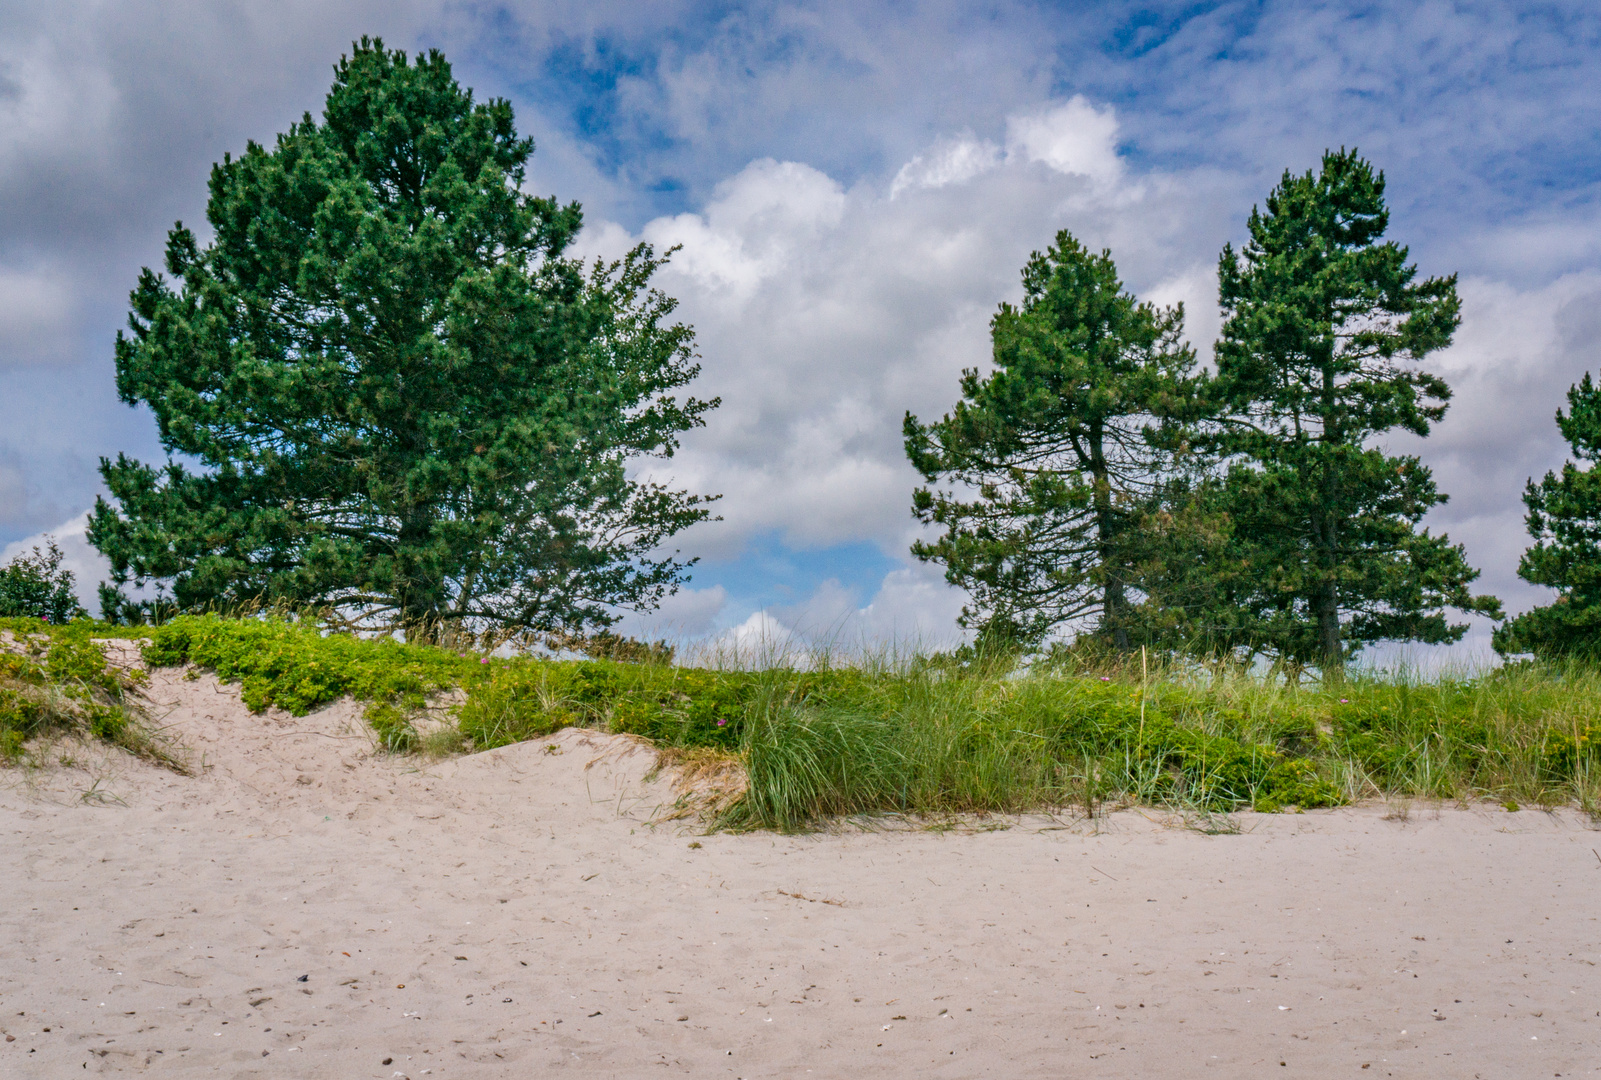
(1324, 324)
(1564, 518)
(385, 387)
(1052, 459)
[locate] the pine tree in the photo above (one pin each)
(1324, 324)
(1062, 448)
(384, 387)
(1564, 519)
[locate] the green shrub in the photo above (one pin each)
(34, 586)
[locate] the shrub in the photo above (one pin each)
(34, 586)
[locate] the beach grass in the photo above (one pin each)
(56, 682)
(821, 737)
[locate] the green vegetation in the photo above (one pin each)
(407, 403)
(1062, 449)
(935, 736)
(1099, 484)
(34, 586)
(1565, 520)
(54, 680)
(1324, 325)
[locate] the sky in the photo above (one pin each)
(855, 187)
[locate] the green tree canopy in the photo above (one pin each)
(1323, 326)
(384, 387)
(36, 586)
(1564, 519)
(1056, 453)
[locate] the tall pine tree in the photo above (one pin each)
(1053, 456)
(384, 387)
(1324, 325)
(1564, 519)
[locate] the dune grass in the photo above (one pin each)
(931, 736)
(55, 683)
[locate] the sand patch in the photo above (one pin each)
(307, 906)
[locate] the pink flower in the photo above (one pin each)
(483, 660)
(721, 723)
(1344, 702)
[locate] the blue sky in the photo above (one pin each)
(856, 186)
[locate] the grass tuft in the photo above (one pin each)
(55, 681)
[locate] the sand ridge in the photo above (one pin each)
(305, 906)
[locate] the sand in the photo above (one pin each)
(306, 907)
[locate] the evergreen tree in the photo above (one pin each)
(386, 388)
(1055, 454)
(1323, 326)
(1564, 519)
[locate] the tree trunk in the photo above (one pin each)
(1114, 596)
(1326, 601)
(1327, 536)
(416, 596)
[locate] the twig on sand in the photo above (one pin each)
(811, 899)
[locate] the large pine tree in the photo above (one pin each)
(384, 387)
(1051, 458)
(1564, 519)
(1325, 323)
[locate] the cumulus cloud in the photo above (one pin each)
(686, 615)
(824, 314)
(950, 161)
(1075, 139)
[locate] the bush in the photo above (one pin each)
(36, 587)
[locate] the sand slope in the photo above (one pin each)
(516, 914)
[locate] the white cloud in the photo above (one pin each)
(824, 314)
(913, 612)
(683, 616)
(1074, 138)
(950, 162)
(754, 226)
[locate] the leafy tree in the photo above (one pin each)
(1060, 449)
(35, 586)
(385, 388)
(1323, 323)
(1564, 519)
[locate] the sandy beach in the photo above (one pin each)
(306, 907)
